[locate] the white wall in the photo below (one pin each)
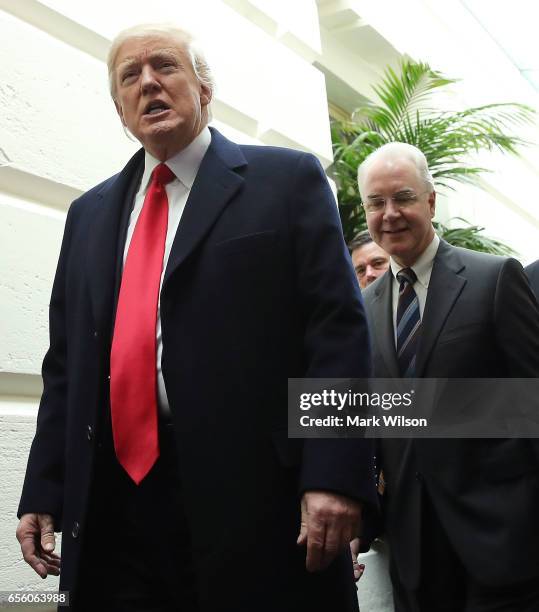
(444, 34)
(59, 136)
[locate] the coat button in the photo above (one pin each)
(75, 530)
(419, 476)
(90, 433)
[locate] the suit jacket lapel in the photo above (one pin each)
(444, 288)
(382, 315)
(104, 251)
(215, 184)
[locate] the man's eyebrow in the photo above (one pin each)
(133, 60)
(128, 61)
(167, 51)
(406, 190)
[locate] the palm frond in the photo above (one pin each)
(471, 237)
(446, 138)
(402, 94)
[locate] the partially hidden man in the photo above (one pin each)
(460, 515)
(190, 286)
(532, 271)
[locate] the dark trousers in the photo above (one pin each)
(136, 550)
(446, 586)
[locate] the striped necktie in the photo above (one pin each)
(408, 323)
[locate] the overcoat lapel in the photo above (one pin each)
(382, 314)
(103, 242)
(444, 288)
(215, 184)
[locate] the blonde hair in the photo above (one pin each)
(200, 66)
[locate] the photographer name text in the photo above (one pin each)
(386, 420)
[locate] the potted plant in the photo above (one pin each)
(445, 137)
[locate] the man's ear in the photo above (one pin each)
(205, 95)
(432, 203)
(120, 113)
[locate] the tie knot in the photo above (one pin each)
(406, 275)
(163, 174)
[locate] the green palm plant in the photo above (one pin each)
(446, 138)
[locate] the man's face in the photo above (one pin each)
(370, 261)
(403, 228)
(158, 96)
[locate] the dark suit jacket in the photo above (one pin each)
(532, 272)
(480, 321)
(258, 288)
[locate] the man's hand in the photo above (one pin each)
(328, 523)
(359, 568)
(35, 533)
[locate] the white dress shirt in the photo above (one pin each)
(423, 269)
(185, 165)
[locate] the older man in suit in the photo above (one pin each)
(190, 286)
(460, 515)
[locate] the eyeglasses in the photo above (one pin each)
(402, 199)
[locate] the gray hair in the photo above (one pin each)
(394, 150)
(200, 66)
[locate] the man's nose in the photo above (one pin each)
(391, 211)
(370, 273)
(148, 80)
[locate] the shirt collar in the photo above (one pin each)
(184, 164)
(423, 266)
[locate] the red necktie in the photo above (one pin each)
(133, 374)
